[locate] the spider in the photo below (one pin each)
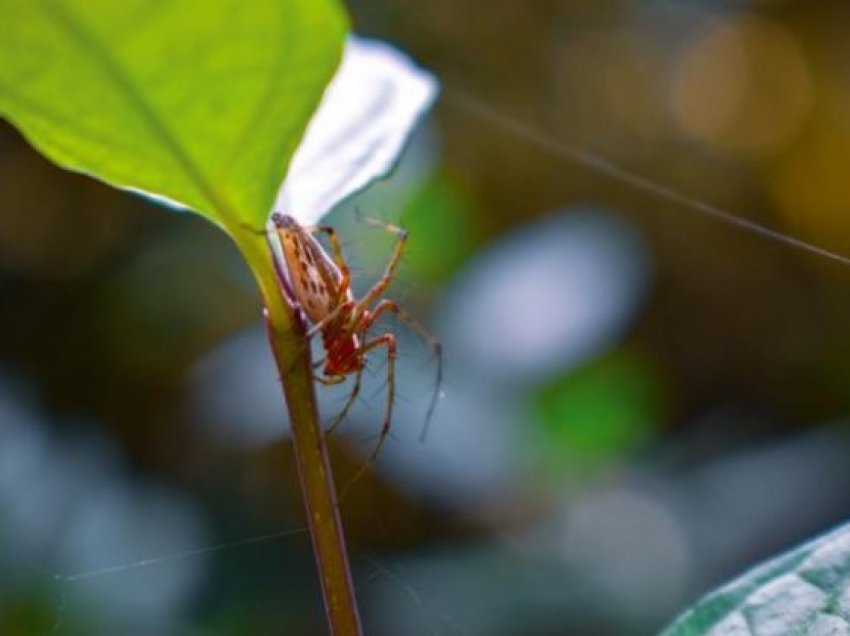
(320, 284)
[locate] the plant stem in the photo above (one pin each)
(287, 337)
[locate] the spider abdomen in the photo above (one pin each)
(315, 279)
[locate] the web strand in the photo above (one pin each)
(379, 569)
(588, 159)
(144, 563)
(415, 595)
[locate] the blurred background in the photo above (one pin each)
(640, 401)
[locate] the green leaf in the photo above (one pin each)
(202, 103)
(609, 406)
(442, 227)
(805, 591)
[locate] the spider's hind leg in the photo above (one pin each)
(386, 340)
(339, 418)
(329, 380)
(390, 306)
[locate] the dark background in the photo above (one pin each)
(641, 400)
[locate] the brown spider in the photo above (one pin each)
(321, 285)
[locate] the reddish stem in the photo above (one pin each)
(314, 472)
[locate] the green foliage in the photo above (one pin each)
(30, 610)
(203, 103)
(805, 591)
(441, 226)
(607, 407)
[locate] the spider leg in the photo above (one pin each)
(352, 398)
(333, 239)
(355, 325)
(389, 269)
(329, 380)
(362, 322)
(338, 257)
(386, 340)
(304, 347)
(390, 306)
(330, 317)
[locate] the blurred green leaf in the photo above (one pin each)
(201, 103)
(607, 407)
(804, 591)
(31, 610)
(441, 226)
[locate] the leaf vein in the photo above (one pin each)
(101, 56)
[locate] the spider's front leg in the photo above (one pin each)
(372, 296)
(361, 319)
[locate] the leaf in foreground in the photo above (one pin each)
(805, 591)
(203, 104)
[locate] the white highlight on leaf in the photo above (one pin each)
(160, 199)
(356, 135)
